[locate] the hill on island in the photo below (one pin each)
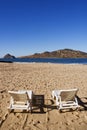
(64, 53)
(7, 56)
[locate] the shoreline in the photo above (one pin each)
(44, 63)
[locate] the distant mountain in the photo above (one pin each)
(9, 56)
(64, 53)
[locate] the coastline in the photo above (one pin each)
(42, 78)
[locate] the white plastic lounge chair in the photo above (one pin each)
(20, 100)
(65, 98)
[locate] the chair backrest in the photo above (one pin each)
(19, 96)
(68, 95)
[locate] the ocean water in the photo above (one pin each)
(48, 60)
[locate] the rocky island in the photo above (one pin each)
(7, 56)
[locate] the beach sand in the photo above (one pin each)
(42, 78)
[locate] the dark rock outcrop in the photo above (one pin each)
(7, 56)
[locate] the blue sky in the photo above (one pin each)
(35, 26)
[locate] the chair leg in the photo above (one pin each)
(77, 108)
(30, 110)
(9, 110)
(57, 107)
(60, 110)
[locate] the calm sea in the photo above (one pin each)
(49, 60)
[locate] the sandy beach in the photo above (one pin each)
(42, 78)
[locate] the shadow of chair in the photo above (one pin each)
(38, 103)
(82, 103)
(50, 105)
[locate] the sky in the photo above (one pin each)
(36, 26)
